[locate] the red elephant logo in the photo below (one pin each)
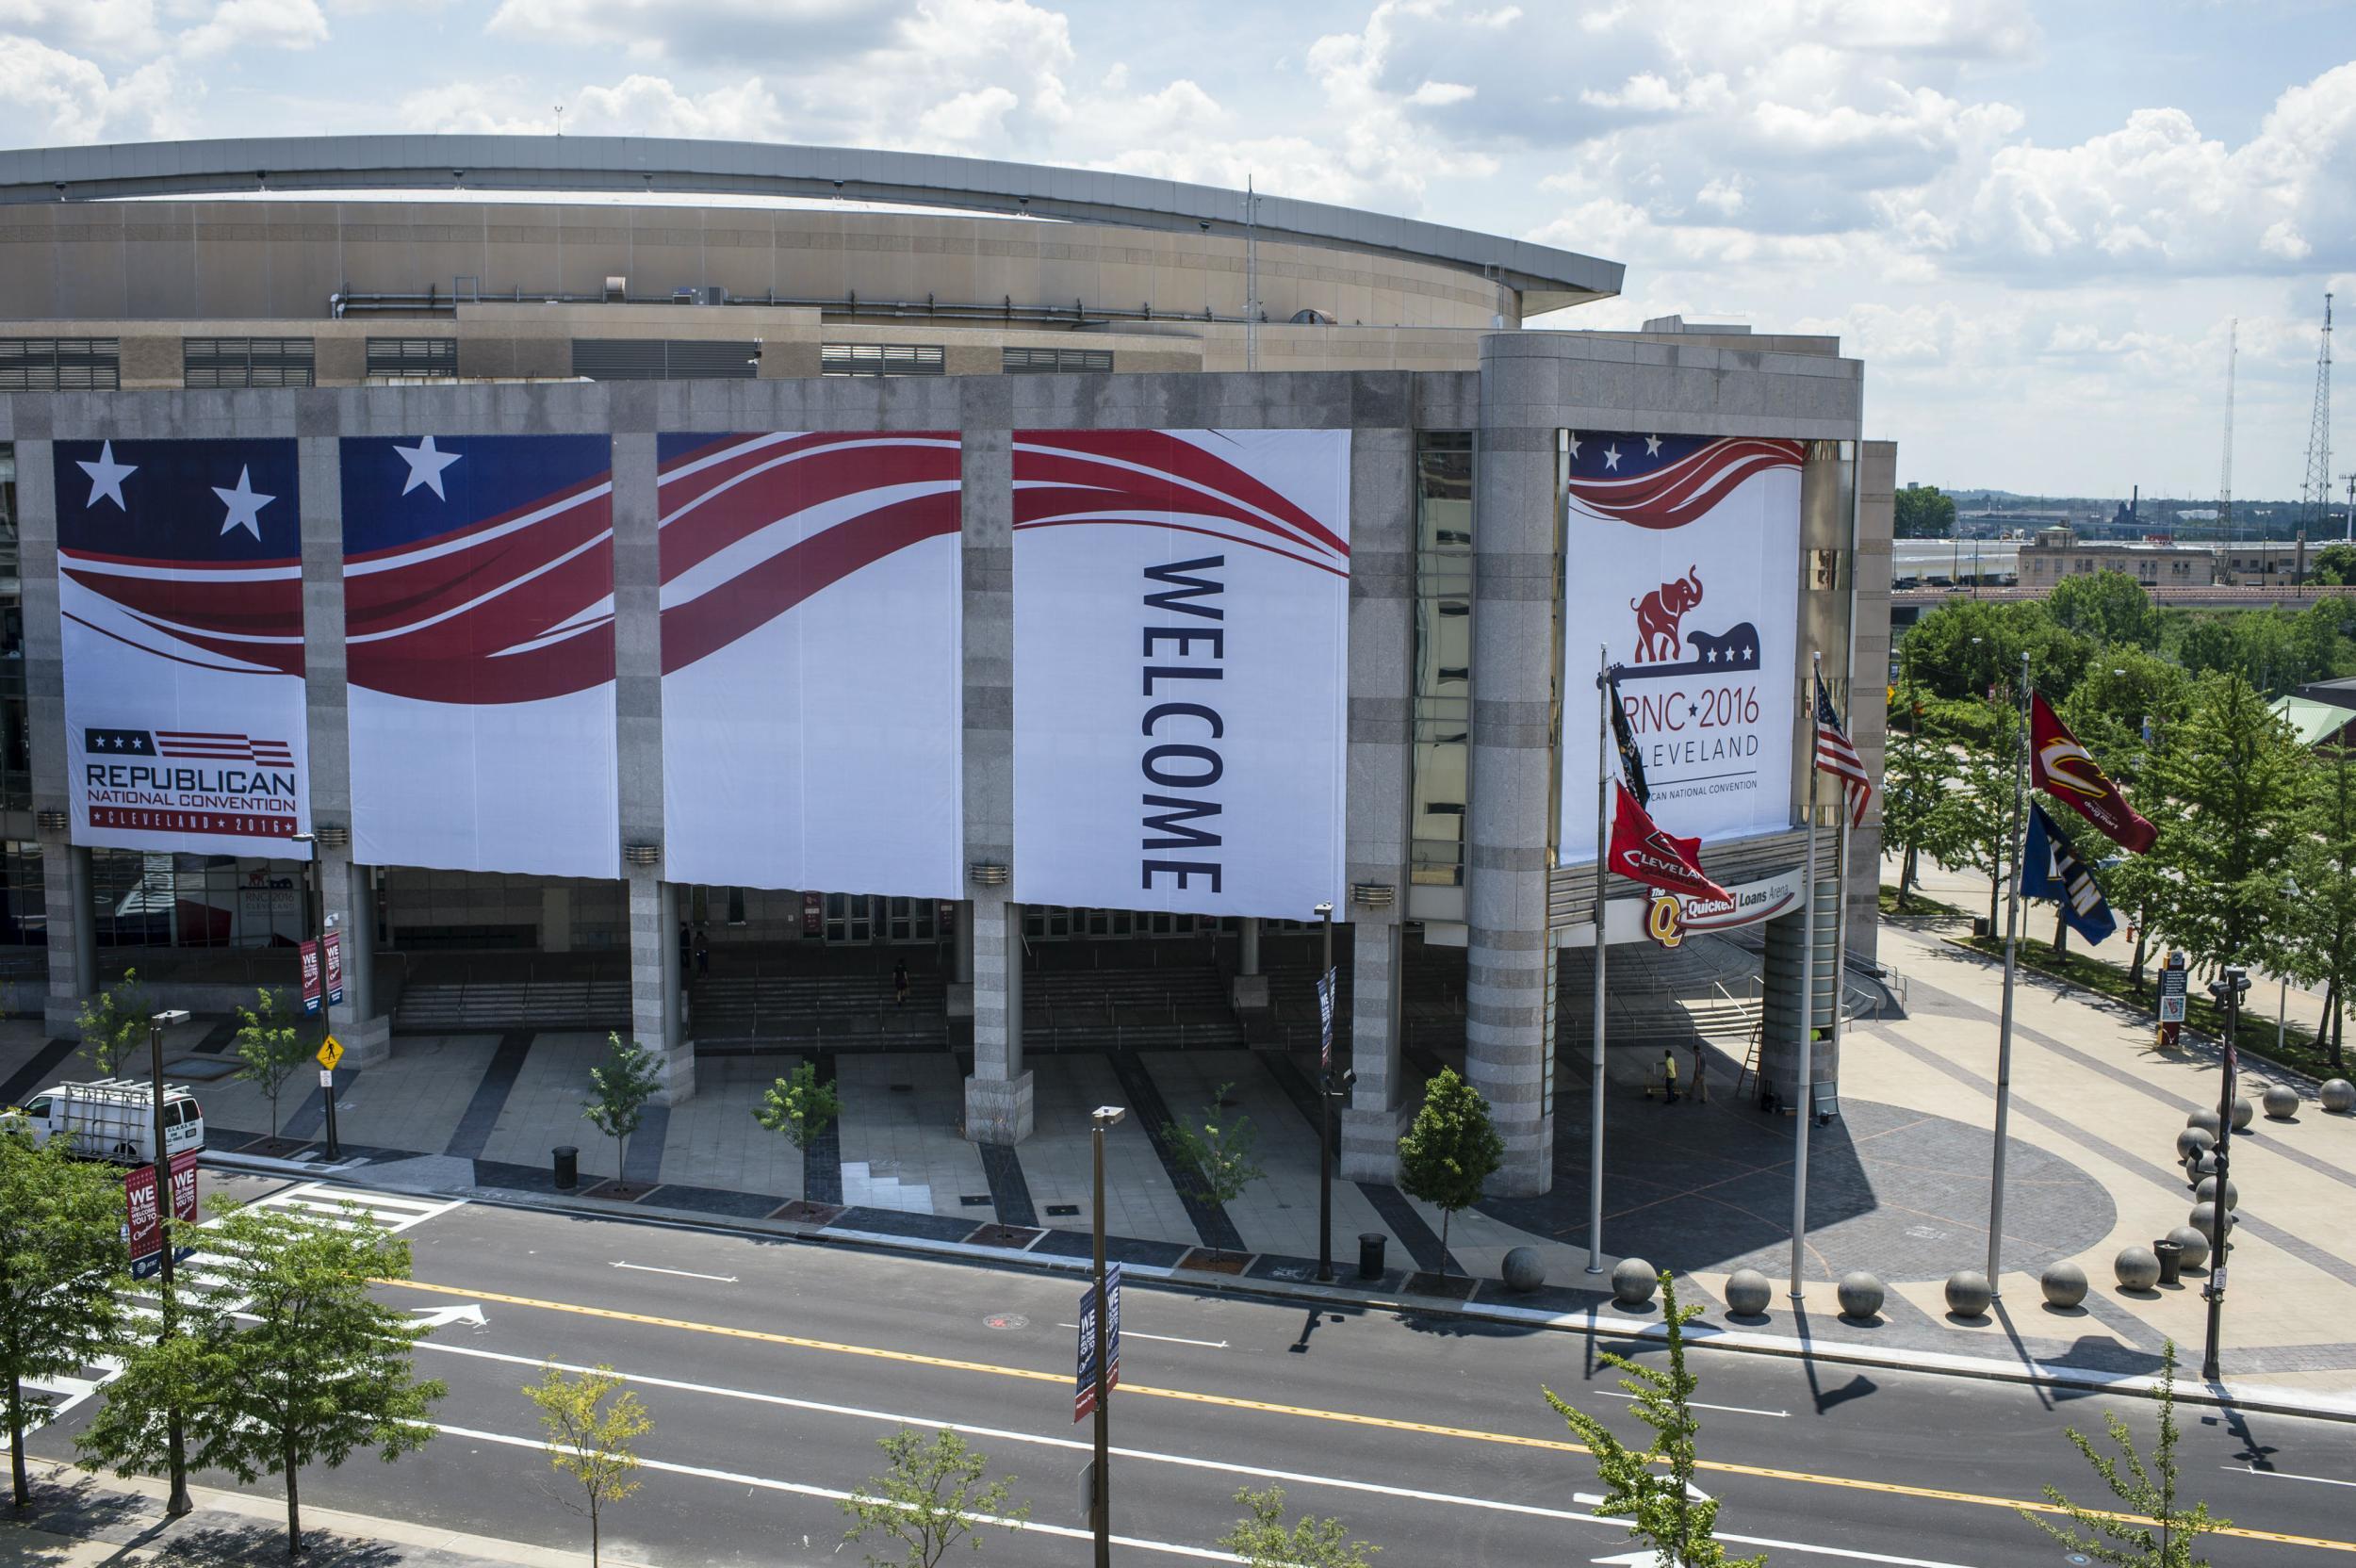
(1659, 613)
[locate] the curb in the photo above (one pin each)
(1595, 1324)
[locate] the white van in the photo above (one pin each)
(113, 1118)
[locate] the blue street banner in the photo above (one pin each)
(1084, 1393)
(1325, 1018)
(2050, 868)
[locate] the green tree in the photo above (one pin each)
(1652, 1487)
(2156, 1531)
(1946, 659)
(1974, 822)
(2109, 607)
(284, 1359)
(798, 1105)
(1914, 778)
(618, 1093)
(1263, 1541)
(114, 1023)
(1923, 512)
(2231, 788)
(1215, 1159)
(270, 1047)
(2323, 935)
(929, 1498)
(1451, 1150)
(2272, 649)
(591, 1420)
(62, 1302)
(2333, 563)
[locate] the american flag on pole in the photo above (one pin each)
(1836, 756)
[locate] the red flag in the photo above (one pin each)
(1643, 853)
(2068, 772)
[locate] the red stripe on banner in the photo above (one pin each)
(753, 599)
(1656, 500)
(1182, 528)
(400, 597)
(1166, 454)
(215, 615)
(768, 490)
(1051, 484)
(542, 503)
(177, 658)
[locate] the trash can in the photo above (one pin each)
(567, 1166)
(2171, 1256)
(1980, 925)
(1370, 1245)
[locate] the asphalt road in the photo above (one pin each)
(771, 1368)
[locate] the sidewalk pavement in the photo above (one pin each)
(85, 1521)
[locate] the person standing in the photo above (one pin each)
(900, 984)
(1668, 1076)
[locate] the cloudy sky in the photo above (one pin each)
(2033, 220)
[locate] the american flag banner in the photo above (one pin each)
(478, 575)
(812, 659)
(180, 604)
(1836, 756)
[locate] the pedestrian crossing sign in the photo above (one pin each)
(330, 1053)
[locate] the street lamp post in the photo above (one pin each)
(314, 930)
(1326, 999)
(2227, 988)
(1100, 1495)
(174, 1439)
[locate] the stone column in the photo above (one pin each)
(960, 1002)
(66, 896)
(73, 935)
(1377, 1112)
(998, 1095)
(556, 918)
(1779, 1035)
(1248, 988)
(1508, 829)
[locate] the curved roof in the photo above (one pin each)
(1546, 279)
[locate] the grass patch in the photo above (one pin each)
(2299, 1051)
(1919, 906)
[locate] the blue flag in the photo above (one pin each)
(2051, 869)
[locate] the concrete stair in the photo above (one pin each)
(853, 1011)
(1170, 1007)
(463, 1006)
(862, 1185)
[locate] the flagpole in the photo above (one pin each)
(1804, 1108)
(2004, 1027)
(1603, 839)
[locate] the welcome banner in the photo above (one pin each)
(1181, 651)
(1682, 561)
(180, 599)
(813, 661)
(479, 623)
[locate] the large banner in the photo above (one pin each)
(180, 597)
(1181, 669)
(1683, 560)
(479, 623)
(812, 661)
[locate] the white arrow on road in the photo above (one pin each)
(1645, 1558)
(442, 1318)
(1591, 1500)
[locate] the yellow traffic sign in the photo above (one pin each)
(330, 1053)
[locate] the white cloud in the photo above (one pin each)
(115, 28)
(250, 24)
(636, 106)
(1432, 94)
(59, 97)
(970, 117)
(717, 31)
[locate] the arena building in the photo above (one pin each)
(671, 586)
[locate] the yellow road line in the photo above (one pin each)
(1351, 1418)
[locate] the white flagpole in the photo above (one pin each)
(2004, 1027)
(1806, 1107)
(1603, 840)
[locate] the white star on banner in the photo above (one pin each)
(107, 476)
(1652, 445)
(1574, 440)
(1611, 457)
(425, 466)
(244, 504)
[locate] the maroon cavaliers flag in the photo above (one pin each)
(2068, 772)
(1643, 853)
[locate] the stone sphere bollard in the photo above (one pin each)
(2206, 1192)
(2204, 1218)
(2206, 1166)
(2339, 1097)
(1968, 1293)
(2282, 1103)
(1862, 1296)
(2138, 1267)
(1633, 1281)
(2244, 1112)
(2193, 1142)
(2195, 1244)
(2065, 1285)
(1748, 1292)
(2206, 1122)
(1523, 1269)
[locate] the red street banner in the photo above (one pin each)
(332, 949)
(310, 977)
(2068, 772)
(1641, 852)
(142, 1231)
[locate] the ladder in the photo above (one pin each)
(1750, 1058)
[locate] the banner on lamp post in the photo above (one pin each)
(332, 964)
(310, 952)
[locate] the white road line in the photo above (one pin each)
(1166, 1339)
(2287, 1475)
(682, 1273)
(1731, 1409)
(804, 1489)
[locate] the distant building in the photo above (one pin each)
(2057, 553)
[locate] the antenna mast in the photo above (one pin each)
(2315, 494)
(2225, 473)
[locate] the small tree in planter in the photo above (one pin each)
(591, 1420)
(1216, 1157)
(269, 1048)
(618, 1094)
(1451, 1151)
(798, 1105)
(114, 1023)
(928, 1500)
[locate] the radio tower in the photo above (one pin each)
(2315, 494)
(2225, 472)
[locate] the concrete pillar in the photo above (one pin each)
(556, 918)
(366, 1035)
(1779, 1038)
(1377, 1110)
(654, 1006)
(961, 956)
(1509, 824)
(66, 896)
(1250, 926)
(1249, 989)
(999, 1096)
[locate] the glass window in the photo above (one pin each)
(1442, 715)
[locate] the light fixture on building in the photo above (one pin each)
(332, 835)
(642, 855)
(52, 822)
(987, 874)
(1372, 895)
